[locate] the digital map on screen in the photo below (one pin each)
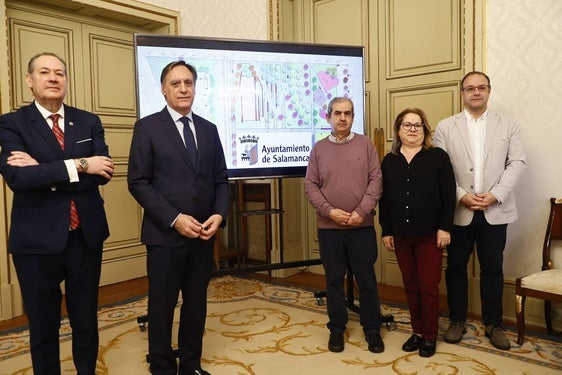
(269, 107)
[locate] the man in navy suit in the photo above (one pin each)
(53, 158)
(177, 173)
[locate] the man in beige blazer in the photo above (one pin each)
(488, 157)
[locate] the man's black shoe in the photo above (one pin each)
(199, 372)
(427, 348)
(335, 344)
(375, 342)
(412, 344)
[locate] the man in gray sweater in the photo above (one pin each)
(344, 183)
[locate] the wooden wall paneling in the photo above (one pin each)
(438, 101)
(421, 48)
(95, 39)
(32, 35)
(420, 65)
(110, 61)
(124, 217)
(294, 222)
(355, 14)
(291, 20)
(423, 39)
(111, 64)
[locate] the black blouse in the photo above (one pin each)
(418, 198)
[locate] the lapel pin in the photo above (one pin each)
(70, 123)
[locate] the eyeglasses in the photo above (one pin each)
(417, 126)
(471, 89)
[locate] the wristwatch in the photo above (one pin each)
(83, 164)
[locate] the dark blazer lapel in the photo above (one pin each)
(70, 130)
(40, 124)
(201, 137)
(171, 130)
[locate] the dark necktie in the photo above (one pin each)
(74, 219)
(189, 140)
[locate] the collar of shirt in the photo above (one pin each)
(46, 115)
(176, 115)
(470, 118)
(179, 125)
(346, 139)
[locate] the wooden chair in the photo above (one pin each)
(546, 284)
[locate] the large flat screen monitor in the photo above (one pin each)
(268, 99)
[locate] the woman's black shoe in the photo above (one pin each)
(427, 347)
(412, 344)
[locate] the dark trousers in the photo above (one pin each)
(490, 243)
(171, 270)
(40, 276)
(357, 248)
(420, 261)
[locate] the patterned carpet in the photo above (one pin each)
(258, 328)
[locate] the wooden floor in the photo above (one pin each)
(138, 287)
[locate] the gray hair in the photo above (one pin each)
(31, 64)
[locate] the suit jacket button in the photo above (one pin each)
(53, 188)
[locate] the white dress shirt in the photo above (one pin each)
(70, 165)
(477, 131)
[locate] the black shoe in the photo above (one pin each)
(335, 344)
(427, 347)
(199, 372)
(375, 342)
(412, 344)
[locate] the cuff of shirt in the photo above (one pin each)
(174, 222)
(72, 171)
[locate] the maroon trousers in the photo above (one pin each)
(419, 260)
